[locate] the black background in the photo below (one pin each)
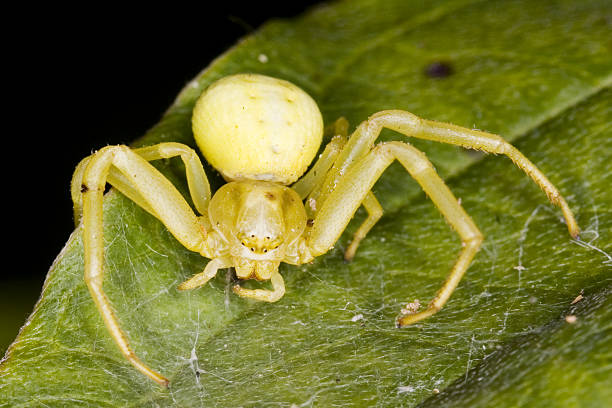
(80, 79)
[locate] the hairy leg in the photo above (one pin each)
(375, 211)
(162, 199)
(199, 188)
(411, 125)
(197, 181)
(315, 176)
(362, 140)
(352, 190)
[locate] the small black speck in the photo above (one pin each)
(252, 249)
(84, 188)
(310, 222)
(439, 69)
(265, 250)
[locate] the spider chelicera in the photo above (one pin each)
(261, 134)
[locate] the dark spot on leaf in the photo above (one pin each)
(84, 188)
(310, 222)
(270, 196)
(439, 69)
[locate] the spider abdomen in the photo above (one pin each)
(254, 127)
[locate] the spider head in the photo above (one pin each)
(259, 220)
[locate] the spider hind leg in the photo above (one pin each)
(375, 211)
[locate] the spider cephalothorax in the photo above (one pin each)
(259, 224)
(262, 134)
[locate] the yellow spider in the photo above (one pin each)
(261, 134)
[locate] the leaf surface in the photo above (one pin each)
(538, 73)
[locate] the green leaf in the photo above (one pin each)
(538, 73)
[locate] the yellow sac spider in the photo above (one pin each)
(261, 134)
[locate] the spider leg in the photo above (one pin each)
(76, 187)
(315, 176)
(277, 292)
(353, 188)
(197, 181)
(209, 272)
(162, 199)
(362, 140)
(311, 185)
(199, 188)
(375, 211)
(411, 125)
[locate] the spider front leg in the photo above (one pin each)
(312, 185)
(411, 125)
(197, 181)
(316, 175)
(353, 188)
(148, 187)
